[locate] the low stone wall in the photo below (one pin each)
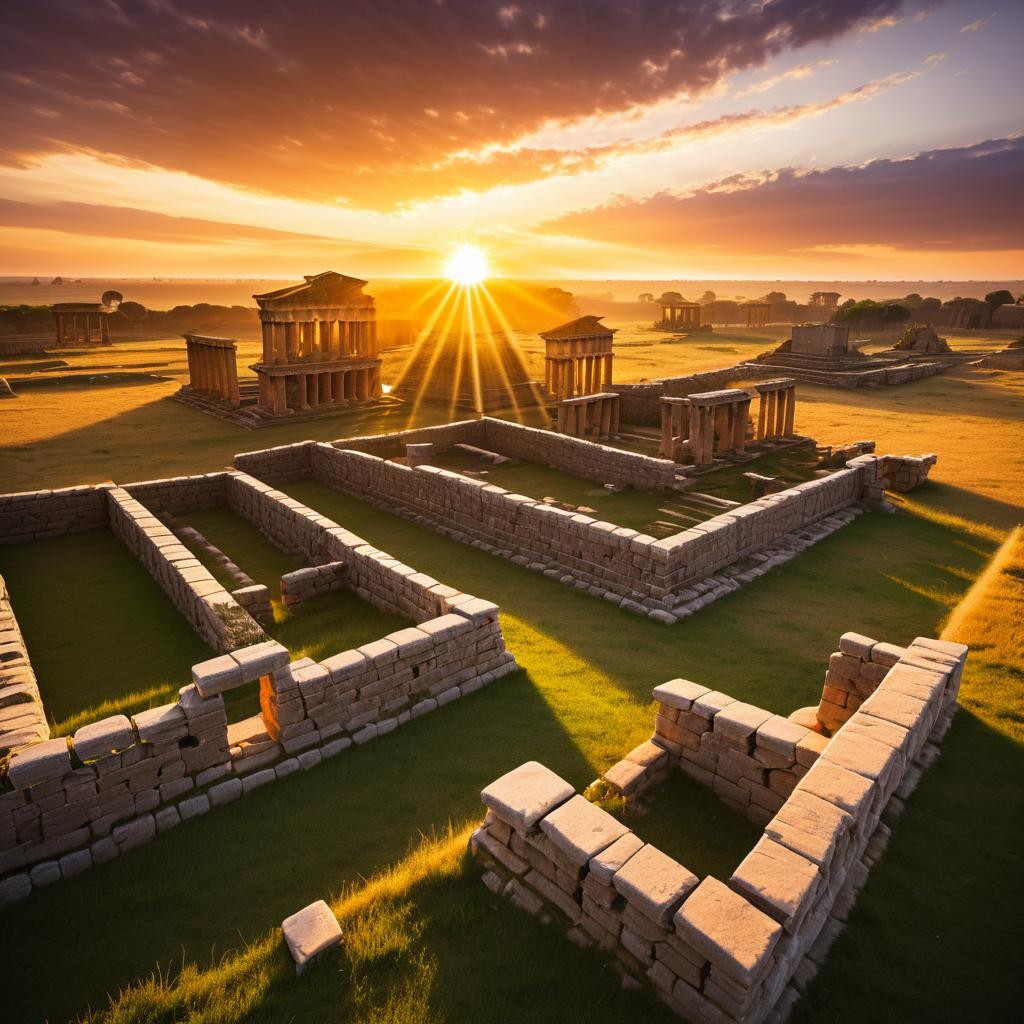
(642, 574)
(212, 612)
(579, 457)
(283, 464)
(375, 576)
(180, 495)
(743, 950)
(442, 437)
(36, 515)
(22, 718)
(306, 584)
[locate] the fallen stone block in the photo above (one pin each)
(310, 933)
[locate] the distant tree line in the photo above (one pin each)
(203, 316)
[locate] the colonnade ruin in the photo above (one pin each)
(85, 323)
(697, 428)
(213, 368)
(595, 416)
(679, 316)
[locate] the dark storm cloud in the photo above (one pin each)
(959, 199)
(363, 101)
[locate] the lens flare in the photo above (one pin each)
(466, 266)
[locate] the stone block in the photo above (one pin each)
(737, 723)
(679, 693)
(98, 739)
(260, 659)
(810, 826)
(158, 724)
(860, 754)
(606, 863)
(526, 794)
(38, 763)
(780, 736)
(309, 933)
(840, 786)
(217, 675)
(225, 792)
(856, 645)
(735, 936)
(654, 883)
(626, 776)
(709, 704)
(580, 829)
(777, 881)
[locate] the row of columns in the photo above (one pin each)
(776, 409)
(286, 342)
(716, 422)
(683, 315)
(758, 314)
(577, 375)
(213, 369)
(590, 416)
(77, 328)
(302, 392)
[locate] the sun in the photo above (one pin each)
(467, 266)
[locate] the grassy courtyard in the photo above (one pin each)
(381, 830)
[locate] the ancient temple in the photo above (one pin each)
(81, 324)
(758, 313)
(319, 346)
(679, 315)
(578, 358)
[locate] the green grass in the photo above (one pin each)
(103, 637)
(223, 881)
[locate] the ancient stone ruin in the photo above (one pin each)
(740, 950)
(82, 324)
(70, 802)
(921, 339)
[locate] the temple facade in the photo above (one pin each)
(319, 346)
(578, 358)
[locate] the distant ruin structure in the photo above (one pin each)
(825, 300)
(81, 324)
(758, 313)
(921, 339)
(319, 346)
(590, 416)
(678, 315)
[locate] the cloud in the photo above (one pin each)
(964, 199)
(799, 73)
(975, 25)
(363, 102)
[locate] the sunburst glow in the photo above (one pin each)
(467, 266)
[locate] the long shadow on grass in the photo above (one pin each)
(767, 643)
(226, 878)
(946, 893)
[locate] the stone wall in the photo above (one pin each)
(443, 437)
(375, 576)
(180, 495)
(579, 457)
(36, 515)
(283, 464)
(739, 951)
(641, 573)
(211, 611)
(22, 718)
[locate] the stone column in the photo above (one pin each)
(780, 413)
(667, 421)
(105, 328)
(280, 397)
(739, 427)
(761, 406)
(787, 427)
(616, 412)
(769, 422)
(562, 417)
(606, 416)
(707, 453)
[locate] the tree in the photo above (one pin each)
(707, 298)
(774, 297)
(133, 312)
(999, 298)
(561, 301)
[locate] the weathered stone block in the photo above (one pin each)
(735, 936)
(526, 794)
(580, 829)
(654, 883)
(98, 739)
(309, 933)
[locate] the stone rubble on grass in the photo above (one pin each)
(310, 933)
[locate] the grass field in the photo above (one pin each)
(932, 938)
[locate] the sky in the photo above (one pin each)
(808, 139)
